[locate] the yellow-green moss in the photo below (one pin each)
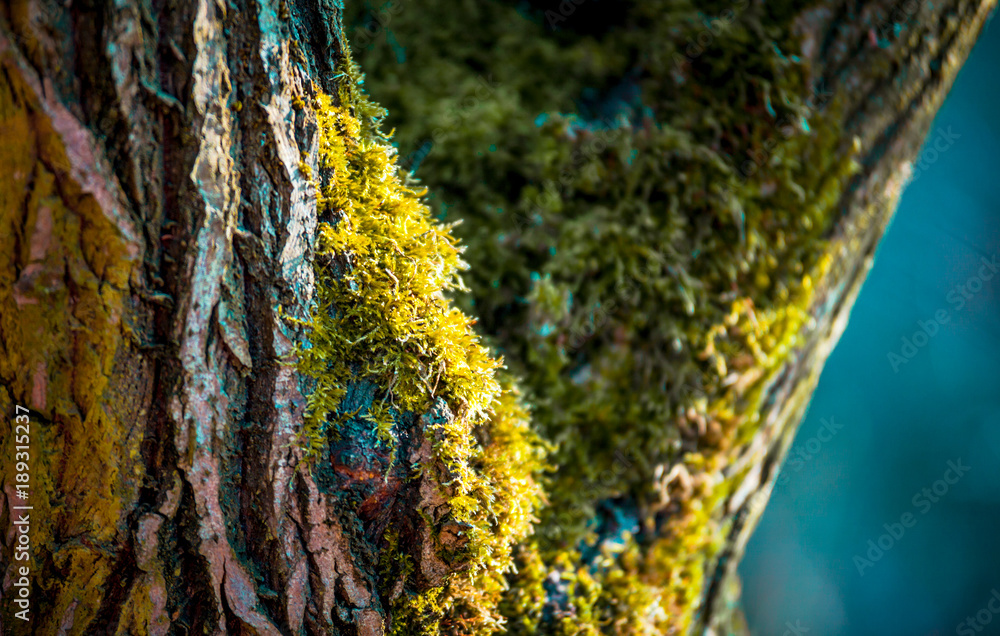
(382, 265)
(646, 266)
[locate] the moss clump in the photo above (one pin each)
(382, 265)
(646, 264)
(511, 455)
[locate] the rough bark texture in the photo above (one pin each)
(158, 270)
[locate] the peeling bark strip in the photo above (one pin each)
(166, 169)
(200, 406)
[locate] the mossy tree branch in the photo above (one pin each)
(254, 406)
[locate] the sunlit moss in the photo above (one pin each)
(382, 264)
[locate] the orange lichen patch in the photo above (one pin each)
(356, 474)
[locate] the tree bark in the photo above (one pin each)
(159, 266)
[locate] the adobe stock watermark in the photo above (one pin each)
(714, 28)
(624, 460)
(19, 498)
(932, 151)
(787, 127)
(798, 629)
(566, 9)
(899, 17)
(809, 449)
(380, 19)
(959, 296)
(973, 625)
(599, 139)
(923, 501)
(626, 291)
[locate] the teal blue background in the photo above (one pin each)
(899, 429)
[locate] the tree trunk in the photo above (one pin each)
(250, 408)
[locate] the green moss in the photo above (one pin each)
(645, 266)
(382, 266)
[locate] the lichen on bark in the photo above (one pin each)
(64, 348)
